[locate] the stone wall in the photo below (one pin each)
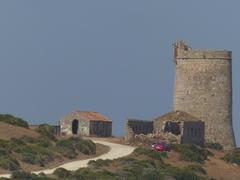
(203, 88)
(66, 125)
(133, 127)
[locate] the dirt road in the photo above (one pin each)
(116, 151)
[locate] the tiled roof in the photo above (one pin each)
(91, 116)
(177, 116)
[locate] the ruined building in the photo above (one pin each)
(175, 127)
(203, 88)
(84, 123)
(136, 127)
(179, 127)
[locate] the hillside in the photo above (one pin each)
(183, 162)
(8, 131)
(25, 149)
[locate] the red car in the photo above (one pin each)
(161, 146)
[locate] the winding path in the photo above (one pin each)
(116, 151)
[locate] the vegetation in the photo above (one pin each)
(190, 152)
(148, 166)
(130, 168)
(62, 173)
(69, 147)
(22, 175)
(233, 156)
(99, 163)
(42, 150)
(215, 146)
(7, 118)
(196, 168)
(46, 131)
(151, 153)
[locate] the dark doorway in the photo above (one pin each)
(172, 127)
(75, 126)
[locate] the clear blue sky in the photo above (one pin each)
(114, 57)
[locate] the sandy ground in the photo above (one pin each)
(116, 151)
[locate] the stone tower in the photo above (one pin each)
(203, 88)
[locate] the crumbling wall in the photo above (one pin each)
(134, 127)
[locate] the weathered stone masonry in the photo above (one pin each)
(84, 123)
(203, 88)
(134, 127)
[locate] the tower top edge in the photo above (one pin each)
(183, 51)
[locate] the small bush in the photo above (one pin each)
(233, 156)
(7, 118)
(179, 174)
(4, 152)
(190, 152)
(66, 148)
(43, 142)
(29, 157)
(196, 168)
(83, 148)
(62, 173)
(84, 174)
(215, 146)
(22, 175)
(27, 139)
(99, 163)
(151, 153)
(91, 145)
(9, 163)
(46, 130)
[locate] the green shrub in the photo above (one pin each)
(196, 168)
(46, 130)
(91, 145)
(29, 157)
(85, 174)
(7, 118)
(4, 143)
(27, 139)
(233, 156)
(22, 175)
(66, 148)
(179, 174)
(69, 147)
(43, 142)
(4, 152)
(62, 173)
(190, 152)
(215, 146)
(35, 154)
(99, 163)
(9, 163)
(151, 153)
(83, 148)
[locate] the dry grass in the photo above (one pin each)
(215, 167)
(8, 131)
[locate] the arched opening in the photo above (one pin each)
(75, 126)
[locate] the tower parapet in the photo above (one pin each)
(182, 51)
